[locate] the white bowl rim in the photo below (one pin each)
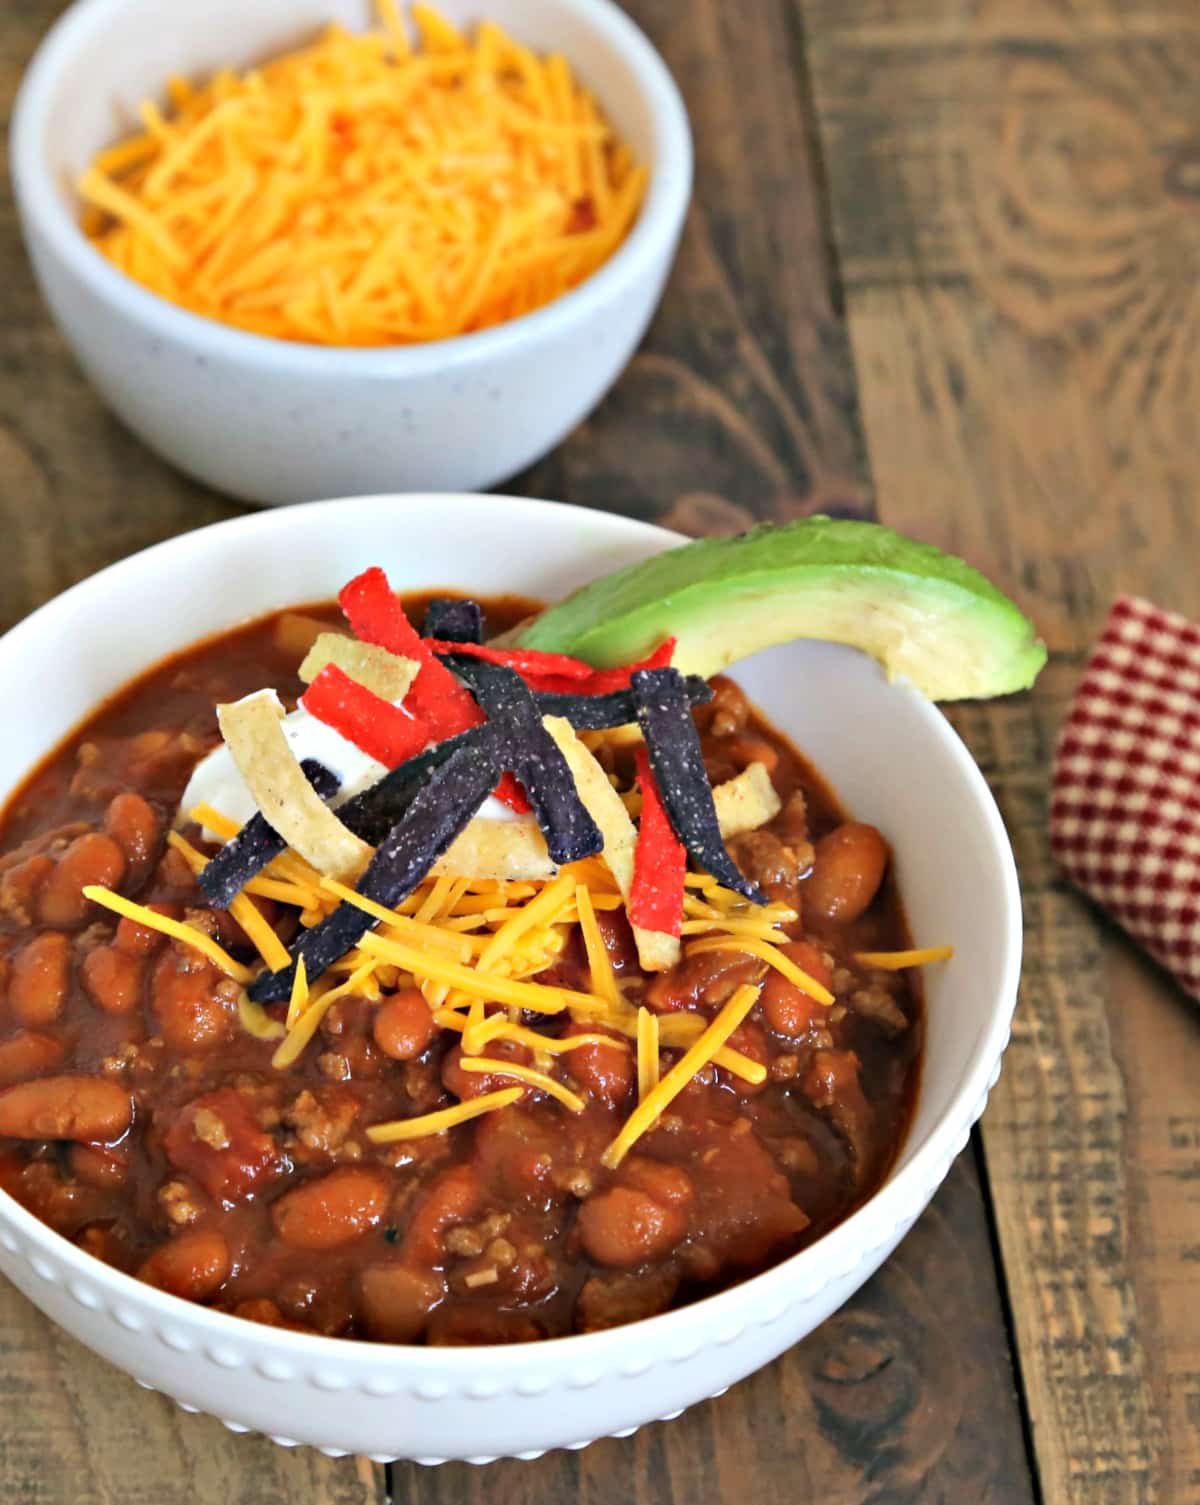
(888, 1210)
(659, 220)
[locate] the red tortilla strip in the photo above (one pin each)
(659, 864)
(528, 662)
(377, 616)
(383, 731)
(600, 681)
(436, 698)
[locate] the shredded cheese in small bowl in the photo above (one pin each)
(369, 189)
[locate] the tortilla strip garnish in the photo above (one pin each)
(503, 849)
(386, 674)
(254, 735)
(746, 802)
(656, 951)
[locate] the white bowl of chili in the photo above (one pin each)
(894, 761)
(272, 420)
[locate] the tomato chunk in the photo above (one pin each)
(217, 1140)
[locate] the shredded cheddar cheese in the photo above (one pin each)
(178, 930)
(361, 191)
(255, 1020)
(538, 997)
(538, 1079)
(298, 1002)
(249, 917)
(694, 1059)
(772, 956)
(604, 983)
(476, 947)
(443, 1118)
(896, 961)
(647, 1053)
(305, 1027)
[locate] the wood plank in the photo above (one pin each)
(744, 389)
(1014, 192)
(76, 1430)
(905, 1394)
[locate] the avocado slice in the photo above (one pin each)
(925, 615)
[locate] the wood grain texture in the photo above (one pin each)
(77, 1432)
(1014, 187)
(741, 406)
(744, 389)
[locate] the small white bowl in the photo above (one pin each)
(275, 421)
(892, 758)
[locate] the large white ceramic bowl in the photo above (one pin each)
(275, 421)
(892, 758)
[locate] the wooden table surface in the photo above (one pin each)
(943, 269)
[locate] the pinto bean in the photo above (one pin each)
(132, 823)
(66, 1107)
(605, 1072)
(93, 858)
(97, 1166)
(333, 1210)
(516, 1154)
(848, 867)
(706, 979)
(27, 1054)
(188, 999)
(468, 1084)
(140, 940)
(669, 1184)
(455, 1196)
(403, 1025)
(41, 978)
(397, 1301)
(193, 1265)
(113, 979)
(625, 1226)
(788, 1010)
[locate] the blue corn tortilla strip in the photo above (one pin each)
(453, 620)
(373, 813)
(534, 757)
(255, 845)
(673, 745)
(598, 713)
(440, 810)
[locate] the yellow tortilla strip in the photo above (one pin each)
(746, 802)
(264, 758)
(386, 674)
(508, 849)
(656, 951)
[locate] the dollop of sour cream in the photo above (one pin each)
(215, 780)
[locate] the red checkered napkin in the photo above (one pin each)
(1125, 796)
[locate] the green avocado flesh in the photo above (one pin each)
(926, 616)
